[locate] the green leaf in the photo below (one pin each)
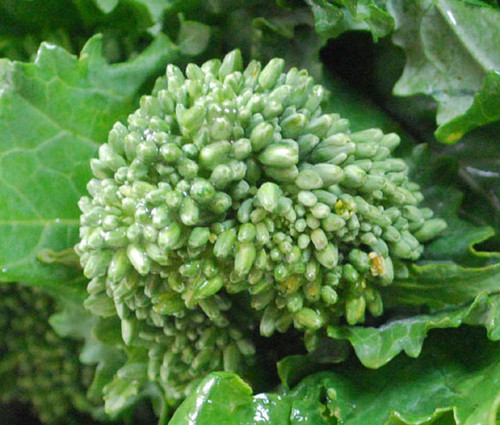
(219, 396)
(24, 24)
(375, 347)
(452, 55)
(438, 176)
(288, 35)
(477, 157)
(125, 389)
(442, 285)
(456, 375)
(193, 37)
(54, 113)
(457, 372)
(225, 398)
(484, 110)
(335, 18)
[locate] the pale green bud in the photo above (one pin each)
(282, 175)
(293, 125)
(189, 212)
(268, 196)
(190, 119)
(430, 229)
(199, 237)
(244, 259)
(247, 233)
(119, 266)
(202, 190)
(307, 198)
(354, 176)
(214, 154)
(279, 155)
(168, 303)
(170, 236)
(308, 179)
(355, 309)
(232, 62)
(319, 239)
(308, 318)
(329, 295)
(225, 243)
(97, 264)
(320, 125)
(205, 288)
(328, 257)
(271, 72)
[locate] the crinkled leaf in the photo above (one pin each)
(457, 372)
(54, 113)
(377, 346)
(261, 29)
(442, 285)
(334, 18)
(452, 55)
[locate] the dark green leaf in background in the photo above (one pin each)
(334, 18)
(452, 54)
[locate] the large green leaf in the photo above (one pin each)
(54, 113)
(452, 55)
(457, 373)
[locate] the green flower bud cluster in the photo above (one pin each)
(190, 346)
(232, 180)
(42, 367)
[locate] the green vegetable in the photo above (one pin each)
(315, 261)
(267, 224)
(37, 366)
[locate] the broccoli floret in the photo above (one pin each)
(41, 368)
(232, 180)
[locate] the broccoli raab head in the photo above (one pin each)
(42, 369)
(232, 180)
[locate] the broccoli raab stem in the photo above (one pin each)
(42, 367)
(232, 180)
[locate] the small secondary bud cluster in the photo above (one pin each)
(43, 368)
(232, 180)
